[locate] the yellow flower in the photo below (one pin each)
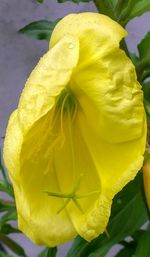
(79, 133)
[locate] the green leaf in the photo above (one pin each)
(114, 2)
(122, 11)
(128, 201)
(48, 252)
(137, 235)
(6, 187)
(8, 229)
(12, 245)
(144, 49)
(74, 1)
(2, 168)
(40, 1)
(79, 248)
(41, 29)
(106, 7)
(120, 7)
(147, 109)
(143, 248)
(126, 252)
(9, 213)
(135, 59)
(6, 205)
(131, 9)
(146, 73)
(8, 216)
(139, 7)
(2, 254)
(146, 89)
(143, 66)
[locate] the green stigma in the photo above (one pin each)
(73, 195)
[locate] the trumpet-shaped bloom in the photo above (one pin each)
(78, 134)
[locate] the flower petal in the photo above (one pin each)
(117, 164)
(74, 164)
(47, 80)
(28, 149)
(105, 167)
(94, 31)
(109, 94)
(110, 121)
(113, 127)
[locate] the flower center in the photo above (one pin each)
(64, 113)
(66, 102)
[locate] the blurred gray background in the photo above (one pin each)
(19, 54)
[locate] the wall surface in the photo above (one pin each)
(19, 54)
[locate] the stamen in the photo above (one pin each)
(71, 141)
(57, 138)
(65, 103)
(75, 112)
(62, 112)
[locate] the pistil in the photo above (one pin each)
(72, 196)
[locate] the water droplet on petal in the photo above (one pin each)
(71, 46)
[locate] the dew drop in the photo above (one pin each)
(71, 46)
